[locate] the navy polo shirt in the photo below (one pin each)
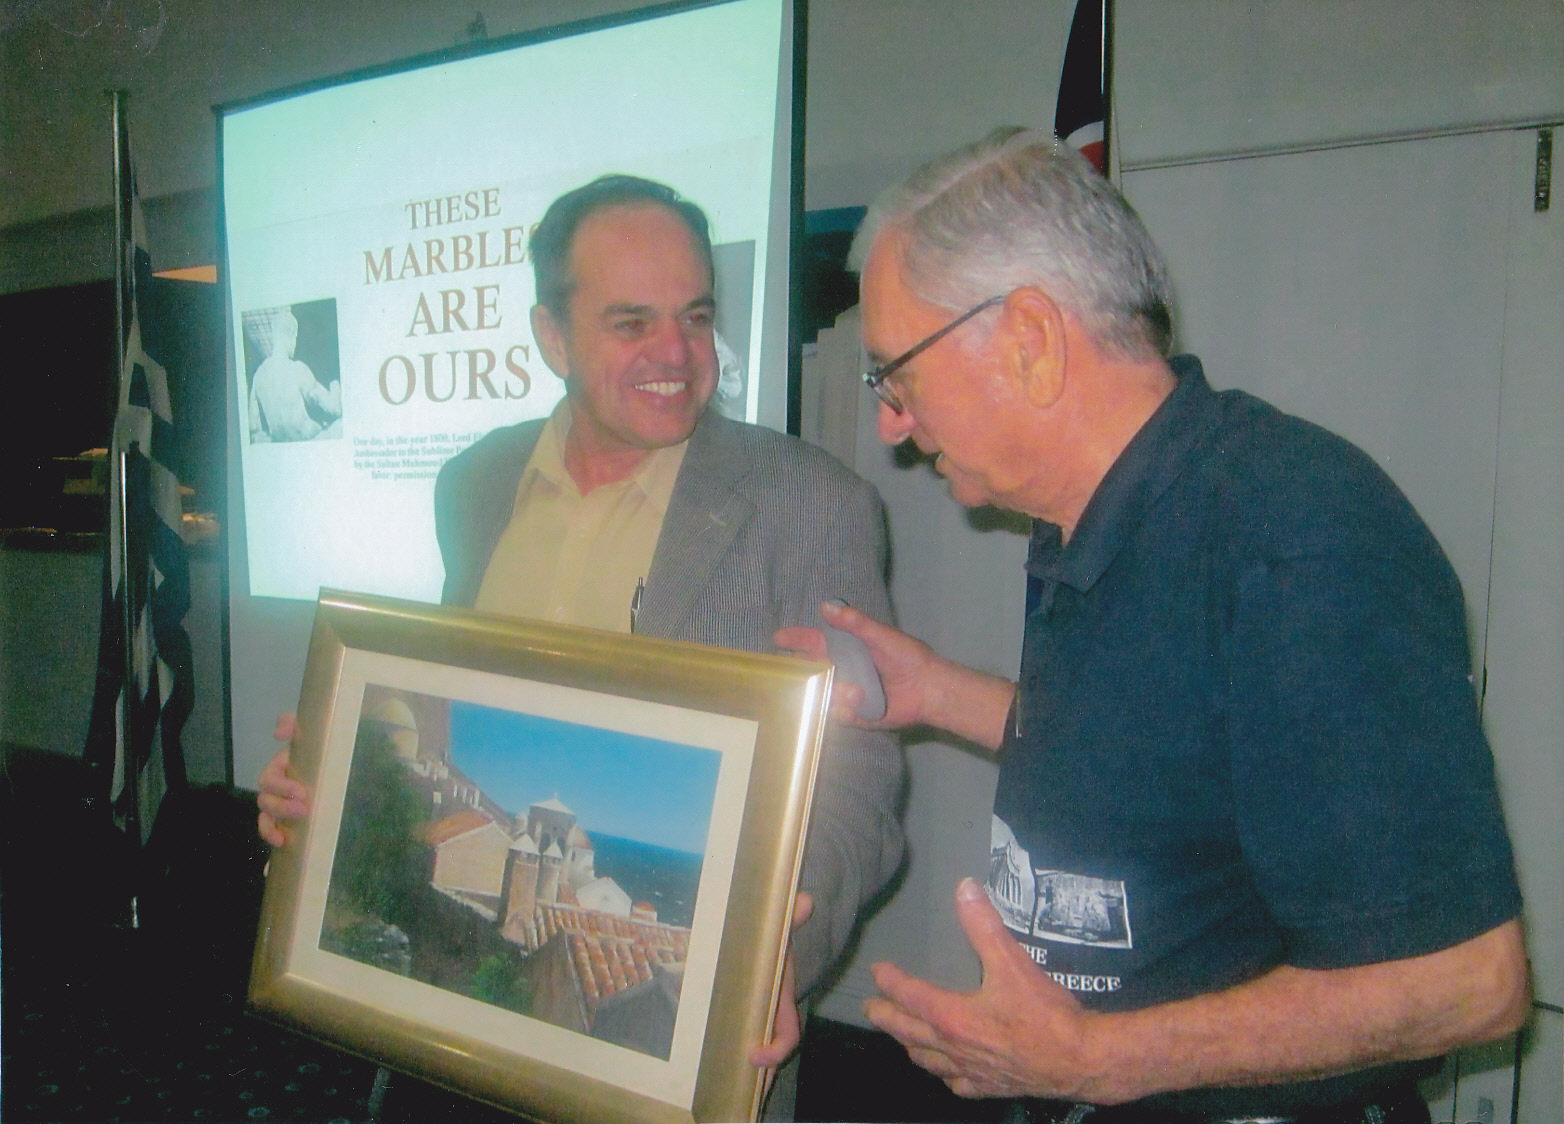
(1245, 731)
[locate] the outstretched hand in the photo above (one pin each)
(283, 798)
(1018, 1035)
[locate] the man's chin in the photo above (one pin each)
(966, 493)
(668, 429)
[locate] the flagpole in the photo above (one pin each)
(1110, 151)
(123, 278)
(120, 233)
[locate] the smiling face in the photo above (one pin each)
(637, 352)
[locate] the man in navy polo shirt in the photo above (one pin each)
(1248, 859)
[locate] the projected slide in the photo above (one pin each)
(379, 280)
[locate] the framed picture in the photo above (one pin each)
(549, 867)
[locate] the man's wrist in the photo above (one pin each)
(1107, 1073)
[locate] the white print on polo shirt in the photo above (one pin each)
(1071, 980)
(1054, 905)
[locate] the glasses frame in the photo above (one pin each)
(875, 378)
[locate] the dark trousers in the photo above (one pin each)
(1400, 1106)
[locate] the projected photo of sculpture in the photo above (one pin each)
(541, 866)
(733, 268)
(291, 361)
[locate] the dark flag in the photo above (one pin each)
(144, 687)
(1081, 115)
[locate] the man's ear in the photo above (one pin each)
(1036, 345)
(551, 341)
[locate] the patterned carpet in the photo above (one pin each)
(107, 1022)
(71, 1056)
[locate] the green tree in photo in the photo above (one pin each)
(378, 857)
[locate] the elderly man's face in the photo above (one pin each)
(637, 352)
(956, 404)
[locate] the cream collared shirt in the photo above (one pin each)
(578, 559)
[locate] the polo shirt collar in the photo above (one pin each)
(1149, 463)
(548, 455)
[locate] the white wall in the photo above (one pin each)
(1524, 712)
(1197, 78)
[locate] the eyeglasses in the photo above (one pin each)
(875, 379)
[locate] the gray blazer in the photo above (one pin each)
(761, 528)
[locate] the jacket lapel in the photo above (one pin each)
(705, 514)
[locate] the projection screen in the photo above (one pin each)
(378, 285)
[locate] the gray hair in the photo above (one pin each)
(1019, 208)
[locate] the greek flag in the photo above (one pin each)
(144, 686)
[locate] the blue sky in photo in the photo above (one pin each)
(636, 788)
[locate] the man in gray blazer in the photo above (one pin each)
(635, 507)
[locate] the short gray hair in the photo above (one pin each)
(1019, 208)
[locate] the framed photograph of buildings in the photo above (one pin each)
(549, 867)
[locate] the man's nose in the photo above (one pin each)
(894, 428)
(671, 343)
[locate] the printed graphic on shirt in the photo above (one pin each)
(1054, 905)
(1011, 886)
(1080, 910)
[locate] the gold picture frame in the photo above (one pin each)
(560, 960)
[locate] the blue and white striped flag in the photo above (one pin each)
(144, 688)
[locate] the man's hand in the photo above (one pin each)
(788, 1027)
(904, 664)
(1019, 1034)
(921, 686)
(283, 798)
